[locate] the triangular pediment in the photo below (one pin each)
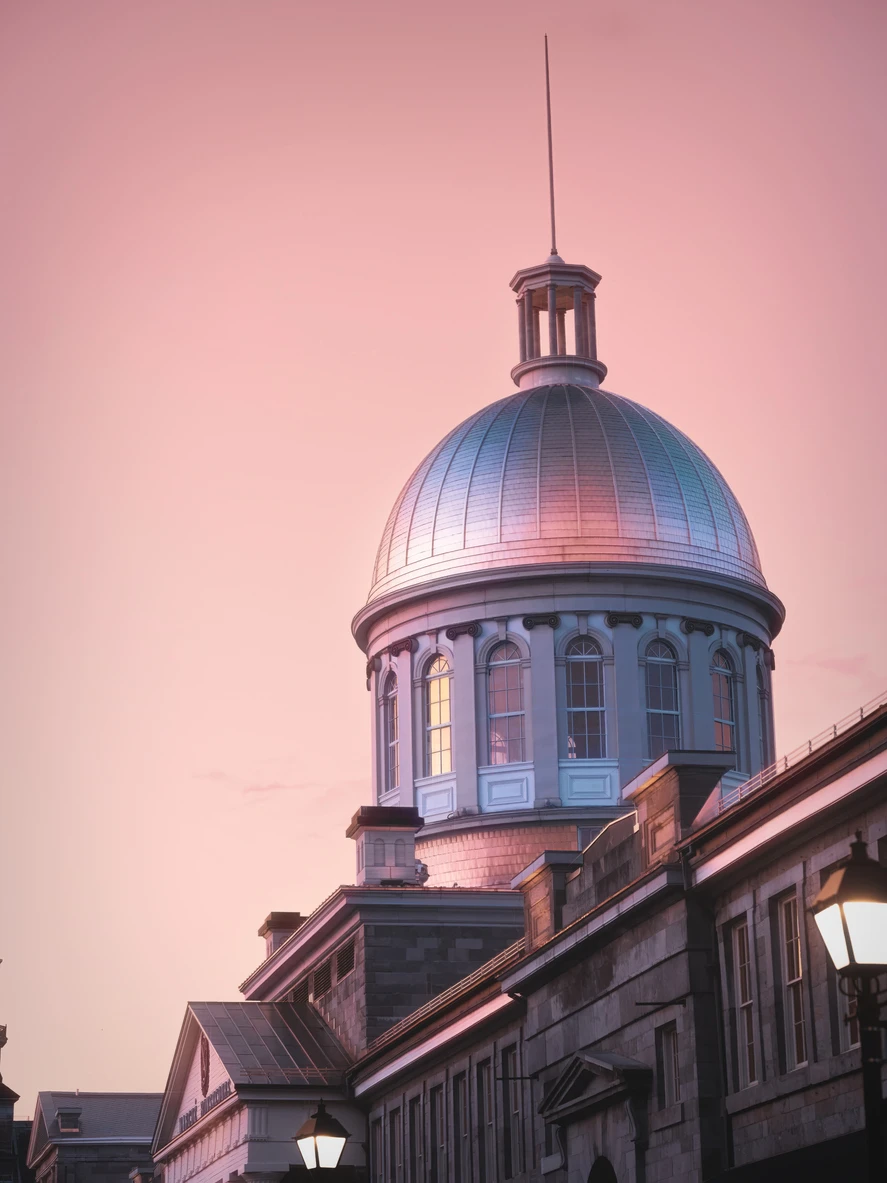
(590, 1080)
(198, 1082)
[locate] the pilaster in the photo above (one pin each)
(405, 725)
(464, 707)
(543, 704)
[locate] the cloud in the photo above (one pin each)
(277, 786)
(850, 667)
(263, 790)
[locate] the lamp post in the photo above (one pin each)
(851, 914)
(321, 1140)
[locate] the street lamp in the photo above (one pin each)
(851, 914)
(321, 1139)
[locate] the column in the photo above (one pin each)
(562, 331)
(375, 738)
(749, 736)
(578, 324)
(522, 330)
(528, 321)
(552, 319)
(591, 330)
(537, 337)
(631, 708)
(464, 722)
(698, 714)
(405, 725)
(543, 712)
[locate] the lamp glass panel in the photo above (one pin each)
(329, 1150)
(867, 925)
(829, 923)
(306, 1148)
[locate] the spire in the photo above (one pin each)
(565, 292)
(550, 151)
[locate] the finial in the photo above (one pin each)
(550, 150)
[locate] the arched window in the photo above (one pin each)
(391, 735)
(438, 729)
(400, 852)
(586, 738)
(506, 705)
(663, 707)
(722, 694)
(764, 719)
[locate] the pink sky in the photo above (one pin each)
(255, 264)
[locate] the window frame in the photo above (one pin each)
(485, 1087)
(794, 1018)
(668, 1065)
(437, 1134)
(654, 662)
(723, 692)
(747, 1052)
(461, 1128)
(594, 659)
(441, 729)
(512, 1116)
(492, 667)
(390, 735)
(415, 1156)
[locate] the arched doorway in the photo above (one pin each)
(602, 1172)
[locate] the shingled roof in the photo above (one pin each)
(130, 1117)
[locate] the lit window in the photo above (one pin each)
(438, 730)
(722, 694)
(795, 1030)
(745, 1019)
(586, 738)
(391, 735)
(506, 705)
(663, 709)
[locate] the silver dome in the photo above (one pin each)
(563, 474)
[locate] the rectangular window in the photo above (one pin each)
(414, 1118)
(395, 1147)
(511, 1113)
(486, 1130)
(438, 1136)
(668, 1069)
(377, 1165)
(745, 1017)
(461, 1130)
(795, 1030)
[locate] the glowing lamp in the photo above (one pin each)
(851, 914)
(321, 1139)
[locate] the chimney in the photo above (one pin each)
(544, 887)
(669, 794)
(278, 927)
(386, 845)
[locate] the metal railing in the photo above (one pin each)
(800, 753)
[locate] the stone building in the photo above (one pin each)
(93, 1137)
(577, 946)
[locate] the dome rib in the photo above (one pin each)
(563, 474)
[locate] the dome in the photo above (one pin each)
(563, 474)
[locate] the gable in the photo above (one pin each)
(206, 1084)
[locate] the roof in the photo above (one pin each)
(563, 474)
(127, 1116)
(272, 1042)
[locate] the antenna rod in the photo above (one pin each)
(550, 150)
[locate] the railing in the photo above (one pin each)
(800, 753)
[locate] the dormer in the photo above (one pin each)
(68, 1119)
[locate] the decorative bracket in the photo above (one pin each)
(552, 620)
(750, 640)
(471, 629)
(633, 618)
(689, 625)
(407, 645)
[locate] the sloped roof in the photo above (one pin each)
(127, 1116)
(272, 1042)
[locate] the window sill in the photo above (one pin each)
(673, 1115)
(832, 1068)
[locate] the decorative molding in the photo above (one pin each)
(407, 645)
(689, 625)
(551, 619)
(771, 659)
(471, 629)
(633, 618)
(204, 1064)
(749, 639)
